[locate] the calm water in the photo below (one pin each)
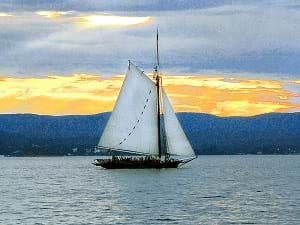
(210, 190)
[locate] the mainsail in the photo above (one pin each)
(177, 142)
(132, 125)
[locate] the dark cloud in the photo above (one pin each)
(112, 5)
(194, 37)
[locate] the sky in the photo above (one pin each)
(227, 58)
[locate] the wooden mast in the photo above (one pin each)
(158, 97)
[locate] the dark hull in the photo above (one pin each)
(136, 164)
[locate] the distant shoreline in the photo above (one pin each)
(266, 134)
(52, 156)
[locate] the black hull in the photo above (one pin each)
(125, 163)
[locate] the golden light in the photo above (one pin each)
(90, 93)
(2, 14)
(51, 14)
(111, 21)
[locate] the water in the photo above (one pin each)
(210, 190)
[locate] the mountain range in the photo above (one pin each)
(41, 135)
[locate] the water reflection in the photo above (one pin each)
(211, 190)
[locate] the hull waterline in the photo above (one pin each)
(126, 163)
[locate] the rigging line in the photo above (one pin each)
(122, 150)
(141, 72)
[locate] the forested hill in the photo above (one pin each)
(29, 134)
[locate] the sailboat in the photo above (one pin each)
(144, 124)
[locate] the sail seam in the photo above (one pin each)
(139, 119)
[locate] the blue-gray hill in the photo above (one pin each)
(29, 134)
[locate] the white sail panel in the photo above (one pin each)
(133, 122)
(177, 141)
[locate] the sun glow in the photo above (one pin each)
(51, 14)
(111, 21)
(2, 14)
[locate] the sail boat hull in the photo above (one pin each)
(129, 163)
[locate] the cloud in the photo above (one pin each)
(51, 14)
(248, 108)
(91, 93)
(257, 37)
(230, 97)
(2, 14)
(105, 20)
(112, 5)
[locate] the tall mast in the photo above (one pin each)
(157, 53)
(158, 96)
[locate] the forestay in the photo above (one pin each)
(177, 141)
(133, 123)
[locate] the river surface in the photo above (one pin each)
(248, 189)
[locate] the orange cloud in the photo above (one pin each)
(88, 94)
(228, 97)
(296, 81)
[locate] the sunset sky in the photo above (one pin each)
(227, 58)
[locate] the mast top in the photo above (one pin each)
(157, 53)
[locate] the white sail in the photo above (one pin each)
(177, 141)
(133, 123)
